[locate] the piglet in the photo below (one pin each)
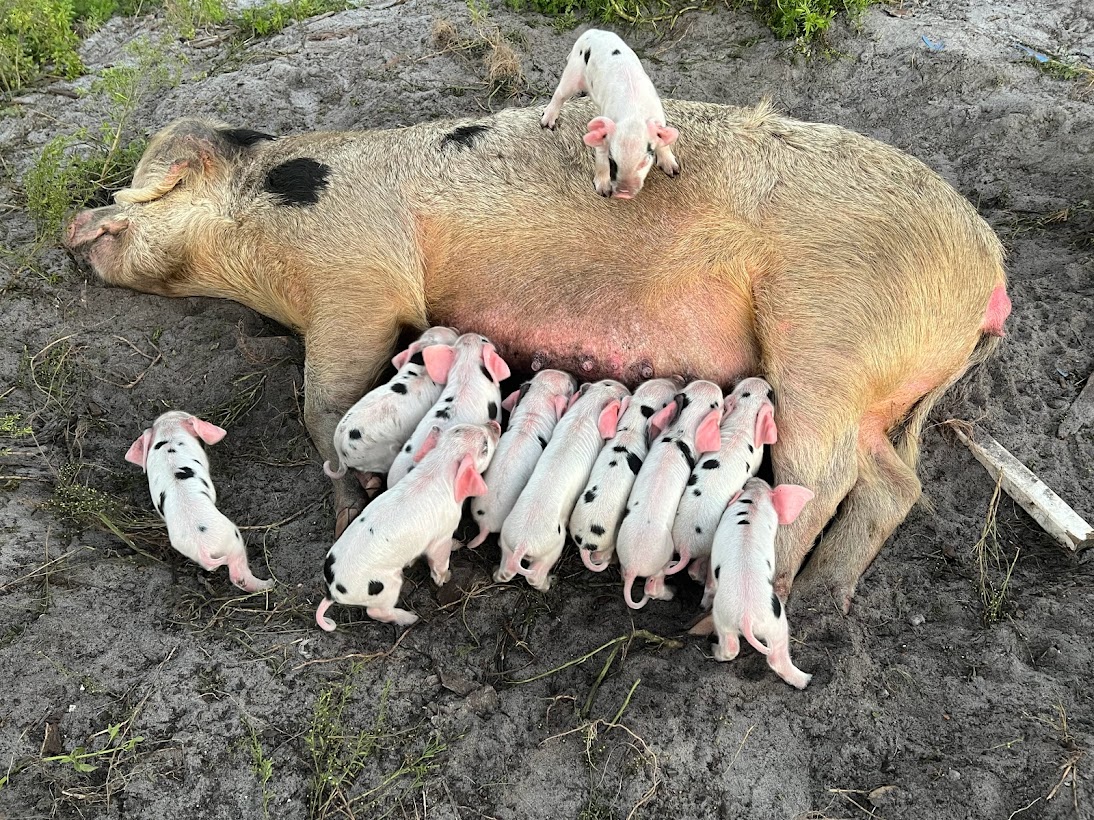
(471, 371)
(631, 130)
(645, 546)
(534, 411)
(171, 453)
(372, 432)
(748, 423)
(535, 531)
(743, 566)
(599, 511)
(416, 517)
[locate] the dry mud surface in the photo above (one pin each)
(917, 709)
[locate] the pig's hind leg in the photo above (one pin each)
(382, 605)
(778, 658)
(727, 647)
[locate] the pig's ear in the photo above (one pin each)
(733, 500)
(511, 401)
(164, 166)
(468, 480)
(765, 426)
(495, 363)
(789, 500)
(708, 438)
(665, 134)
(600, 129)
(438, 361)
(561, 405)
(138, 450)
(573, 399)
(399, 359)
(209, 433)
(609, 419)
(427, 445)
(660, 420)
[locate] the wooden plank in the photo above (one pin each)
(1032, 494)
(1081, 412)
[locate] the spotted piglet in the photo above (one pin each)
(471, 371)
(171, 453)
(534, 411)
(743, 566)
(373, 431)
(414, 518)
(535, 531)
(645, 546)
(748, 423)
(599, 511)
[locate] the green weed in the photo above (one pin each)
(994, 571)
(188, 16)
(12, 426)
(262, 767)
(606, 11)
(80, 506)
(805, 21)
(78, 758)
(37, 36)
(272, 16)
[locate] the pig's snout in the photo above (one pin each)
(623, 193)
(87, 226)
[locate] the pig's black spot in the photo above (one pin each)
(615, 52)
(687, 454)
(711, 464)
(560, 529)
(647, 411)
(745, 501)
(625, 511)
(742, 512)
(409, 447)
(397, 388)
(696, 493)
(751, 449)
(619, 448)
(776, 605)
(634, 462)
(297, 182)
(577, 540)
(698, 530)
(486, 372)
(743, 521)
(542, 442)
(748, 467)
(591, 547)
(771, 395)
(693, 479)
(443, 413)
(375, 587)
(417, 358)
(613, 168)
(464, 136)
(713, 404)
(163, 498)
(613, 463)
(171, 449)
(450, 399)
(667, 440)
(328, 569)
(203, 481)
(341, 588)
(159, 444)
(596, 529)
(588, 52)
(717, 571)
(202, 528)
(244, 137)
(355, 434)
(492, 409)
(590, 496)
(745, 395)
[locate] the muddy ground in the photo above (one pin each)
(192, 701)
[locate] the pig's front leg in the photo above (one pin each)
(602, 172)
(240, 573)
(666, 161)
(438, 555)
(572, 82)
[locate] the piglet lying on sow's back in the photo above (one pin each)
(414, 518)
(743, 567)
(171, 453)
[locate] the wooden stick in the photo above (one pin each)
(1032, 494)
(1081, 412)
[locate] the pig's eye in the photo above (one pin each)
(649, 149)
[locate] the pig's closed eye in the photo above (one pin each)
(649, 149)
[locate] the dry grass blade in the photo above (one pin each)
(991, 562)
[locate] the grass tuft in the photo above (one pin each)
(272, 16)
(994, 572)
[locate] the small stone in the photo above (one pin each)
(917, 620)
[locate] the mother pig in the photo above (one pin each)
(850, 276)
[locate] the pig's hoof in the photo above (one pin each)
(502, 577)
(344, 519)
(820, 590)
(441, 580)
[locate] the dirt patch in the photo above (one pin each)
(191, 701)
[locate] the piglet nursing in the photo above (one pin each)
(171, 453)
(416, 517)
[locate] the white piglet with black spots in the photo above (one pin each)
(471, 371)
(743, 567)
(371, 433)
(416, 517)
(535, 531)
(595, 520)
(171, 453)
(748, 423)
(534, 411)
(631, 132)
(644, 545)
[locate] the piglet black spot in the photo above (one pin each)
(408, 448)
(634, 462)
(743, 521)
(613, 463)
(745, 501)
(418, 359)
(244, 137)
(341, 588)
(542, 442)
(577, 540)
(751, 449)
(203, 481)
(449, 399)
(687, 454)
(776, 605)
(463, 136)
(375, 587)
(492, 410)
(159, 444)
(560, 529)
(202, 528)
(682, 401)
(297, 182)
(693, 479)
(171, 449)
(590, 496)
(717, 571)
(588, 52)
(480, 512)
(696, 493)
(163, 499)
(328, 569)
(615, 52)
(486, 372)
(626, 510)
(613, 168)
(399, 388)
(355, 434)
(711, 464)
(596, 529)
(443, 413)
(667, 440)
(647, 411)
(619, 448)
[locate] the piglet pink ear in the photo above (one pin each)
(495, 363)
(562, 404)
(708, 438)
(511, 401)
(399, 359)
(789, 500)
(573, 399)
(600, 129)
(665, 134)
(468, 480)
(660, 420)
(438, 361)
(733, 500)
(209, 433)
(609, 419)
(138, 450)
(765, 426)
(427, 445)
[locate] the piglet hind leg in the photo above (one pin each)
(727, 647)
(778, 659)
(883, 495)
(438, 556)
(382, 607)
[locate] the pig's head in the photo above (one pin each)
(694, 411)
(785, 501)
(631, 145)
(471, 446)
(168, 423)
(558, 388)
(439, 335)
(468, 351)
(754, 396)
(169, 217)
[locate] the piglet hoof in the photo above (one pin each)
(723, 653)
(502, 577)
(799, 680)
(252, 584)
(399, 617)
(544, 585)
(439, 579)
(547, 123)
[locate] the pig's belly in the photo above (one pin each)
(689, 336)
